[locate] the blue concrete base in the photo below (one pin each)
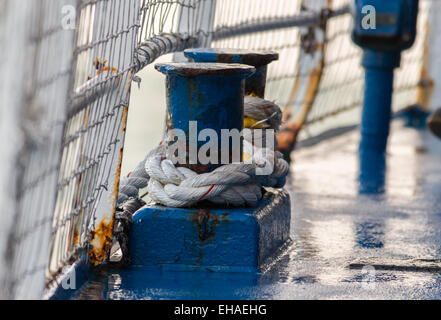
(213, 239)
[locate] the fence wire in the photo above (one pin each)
(172, 26)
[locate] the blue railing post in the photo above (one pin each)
(254, 85)
(383, 29)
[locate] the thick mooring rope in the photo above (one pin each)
(231, 184)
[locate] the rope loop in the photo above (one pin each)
(236, 184)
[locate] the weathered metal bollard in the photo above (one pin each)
(254, 85)
(209, 237)
(205, 96)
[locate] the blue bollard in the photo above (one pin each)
(209, 237)
(210, 94)
(254, 85)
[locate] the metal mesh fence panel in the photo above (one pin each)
(36, 64)
(65, 96)
(342, 80)
(71, 89)
(432, 67)
(340, 93)
(172, 26)
(312, 38)
(94, 132)
(231, 18)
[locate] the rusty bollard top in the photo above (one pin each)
(254, 85)
(209, 95)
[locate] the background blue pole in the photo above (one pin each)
(376, 115)
(383, 29)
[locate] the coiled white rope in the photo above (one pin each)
(231, 184)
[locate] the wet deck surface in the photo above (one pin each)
(345, 245)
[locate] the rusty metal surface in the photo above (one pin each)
(310, 66)
(194, 69)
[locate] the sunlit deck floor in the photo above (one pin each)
(335, 232)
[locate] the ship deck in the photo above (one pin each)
(345, 244)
